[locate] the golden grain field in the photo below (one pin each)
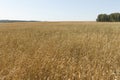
(60, 51)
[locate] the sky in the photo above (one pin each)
(56, 10)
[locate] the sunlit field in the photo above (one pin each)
(60, 51)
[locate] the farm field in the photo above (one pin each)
(60, 51)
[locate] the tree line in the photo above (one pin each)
(114, 17)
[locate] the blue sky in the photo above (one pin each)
(56, 10)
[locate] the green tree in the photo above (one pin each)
(114, 17)
(103, 18)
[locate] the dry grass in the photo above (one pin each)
(60, 51)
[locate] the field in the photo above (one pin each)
(59, 51)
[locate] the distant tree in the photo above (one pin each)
(114, 17)
(103, 18)
(99, 18)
